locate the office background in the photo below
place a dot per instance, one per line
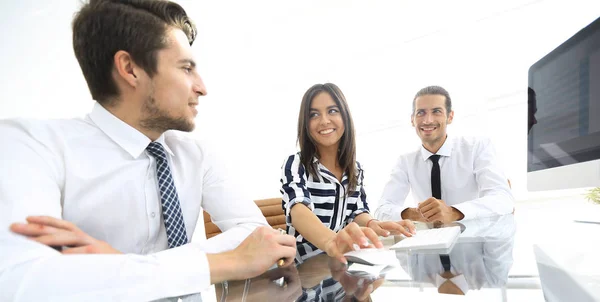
(258, 57)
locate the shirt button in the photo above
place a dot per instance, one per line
(152, 214)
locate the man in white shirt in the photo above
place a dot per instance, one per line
(125, 181)
(470, 183)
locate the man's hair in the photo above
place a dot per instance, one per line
(347, 147)
(432, 90)
(139, 27)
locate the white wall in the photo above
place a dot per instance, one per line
(258, 57)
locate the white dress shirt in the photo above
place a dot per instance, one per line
(95, 173)
(471, 179)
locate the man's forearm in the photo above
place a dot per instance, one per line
(223, 267)
(228, 240)
(32, 272)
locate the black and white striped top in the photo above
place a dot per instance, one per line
(324, 195)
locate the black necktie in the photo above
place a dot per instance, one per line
(436, 192)
(436, 183)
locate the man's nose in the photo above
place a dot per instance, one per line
(427, 119)
(199, 87)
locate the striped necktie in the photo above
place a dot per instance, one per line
(171, 209)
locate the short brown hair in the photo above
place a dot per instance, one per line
(347, 148)
(139, 27)
(434, 90)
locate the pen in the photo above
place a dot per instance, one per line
(281, 261)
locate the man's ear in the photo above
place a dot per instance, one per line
(125, 68)
(450, 117)
(412, 120)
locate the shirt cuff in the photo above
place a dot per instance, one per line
(467, 209)
(390, 213)
(186, 266)
(356, 213)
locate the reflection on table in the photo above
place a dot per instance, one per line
(319, 278)
(481, 257)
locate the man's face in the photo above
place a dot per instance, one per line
(174, 90)
(430, 118)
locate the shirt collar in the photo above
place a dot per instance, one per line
(127, 137)
(315, 160)
(445, 149)
(324, 171)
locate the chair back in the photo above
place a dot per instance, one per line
(270, 208)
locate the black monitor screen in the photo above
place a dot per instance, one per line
(564, 103)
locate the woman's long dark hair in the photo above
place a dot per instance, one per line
(347, 147)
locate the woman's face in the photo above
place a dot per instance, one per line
(325, 125)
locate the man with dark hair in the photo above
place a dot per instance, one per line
(451, 177)
(125, 180)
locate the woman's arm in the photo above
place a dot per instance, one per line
(335, 245)
(310, 226)
(298, 208)
(363, 218)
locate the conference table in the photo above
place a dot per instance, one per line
(482, 269)
(543, 257)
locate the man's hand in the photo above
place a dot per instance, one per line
(260, 250)
(56, 232)
(346, 238)
(413, 214)
(386, 228)
(436, 210)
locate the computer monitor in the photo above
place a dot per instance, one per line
(564, 115)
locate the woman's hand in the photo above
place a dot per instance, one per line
(386, 228)
(349, 236)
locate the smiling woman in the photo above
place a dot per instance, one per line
(322, 122)
(322, 185)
